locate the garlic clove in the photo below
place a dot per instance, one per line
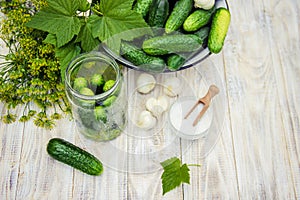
(145, 83)
(146, 121)
(208, 5)
(163, 102)
(172, 86)
(204, 4)
(157, 106)
(199, 3)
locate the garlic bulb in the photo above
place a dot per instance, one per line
(157, 106)
(204, 4)
(172, 86)
(145, 83)
(145, 120)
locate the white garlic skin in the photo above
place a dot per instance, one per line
(204, 4)
(172, 86)
(145, 83)
(157, 106)
(146, 121)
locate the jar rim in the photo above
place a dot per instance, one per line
(98, 56)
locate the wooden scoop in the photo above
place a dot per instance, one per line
(212, 91)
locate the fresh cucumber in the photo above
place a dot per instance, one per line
(203, 33)
(197, 19)
(74, 156)
(166, 44)
(142, 7)
(175, 61)
(158, 13)
(179, 13)
(139, 58)
(218, 31)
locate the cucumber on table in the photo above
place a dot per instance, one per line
(197, 19)
(179, 13)
(218, 31)
(166, 44)
(74, 156)
(139, 58)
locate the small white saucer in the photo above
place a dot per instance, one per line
(184, 127)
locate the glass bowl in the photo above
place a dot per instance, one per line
(192, 59)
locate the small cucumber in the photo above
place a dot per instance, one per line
(139, 58)
(158, 13)
(166, 44)
(197, 19)
(74, 156)
(218, 31)
(179, 13)
(142, 7)
(203, 33)
(175, 61)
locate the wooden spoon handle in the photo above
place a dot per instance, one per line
(204, 109)
(213, 91)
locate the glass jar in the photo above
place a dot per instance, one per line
(94, 87)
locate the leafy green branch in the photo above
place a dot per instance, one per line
(73, 34)
(30, 71)
(44, 40)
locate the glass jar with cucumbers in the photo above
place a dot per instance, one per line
(94, 87)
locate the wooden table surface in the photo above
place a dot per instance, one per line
(257, 153)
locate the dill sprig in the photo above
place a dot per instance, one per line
(30, 72)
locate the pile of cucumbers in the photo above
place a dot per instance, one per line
(179, 31)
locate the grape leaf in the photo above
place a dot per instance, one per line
(50, 39)
(117, 17)
(65, 54)
(58, 18)
(63, 7)
(85, 36)
(174, 174)
(108, 7)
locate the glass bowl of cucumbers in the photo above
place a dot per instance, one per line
(171, 42)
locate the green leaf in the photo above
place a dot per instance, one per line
(117, 18)
(58, 18)
(174, 174)
(108, 7)
(64, 27)
(64, 7)
(85, 36)
(65, 54)
(50, 39)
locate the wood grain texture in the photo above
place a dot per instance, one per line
(263, 164)
(10, 150)
(286, 61)
(216, 178)
(255, 156)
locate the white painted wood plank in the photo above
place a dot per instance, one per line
(10, 150)
(284, 39)
(263, 164)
